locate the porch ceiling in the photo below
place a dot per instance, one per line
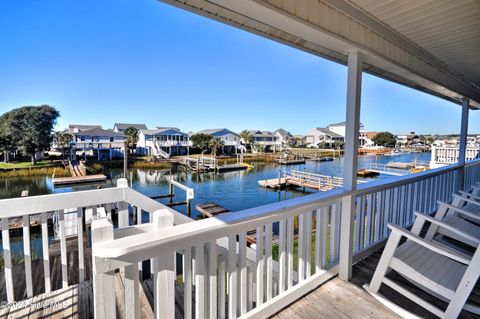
(429, 45)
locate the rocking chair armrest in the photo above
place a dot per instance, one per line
(439, 249)
(460, 211)
(470, 195)
(468, 200)
(448, 227)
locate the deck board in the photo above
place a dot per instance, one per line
(339, 299)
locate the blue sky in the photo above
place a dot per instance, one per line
(101, 62)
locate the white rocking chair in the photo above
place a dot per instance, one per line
(436, 268)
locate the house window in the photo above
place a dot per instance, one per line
(82, 138)
(111, 139)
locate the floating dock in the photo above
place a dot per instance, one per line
(231, 167)
(211, 210)
(367, 173)
(79, 179)
(303, 179)
(321, 159)
(283, 161)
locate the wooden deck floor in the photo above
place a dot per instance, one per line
(339, 299)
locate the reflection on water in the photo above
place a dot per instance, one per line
(235, 190)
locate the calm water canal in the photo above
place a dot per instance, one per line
(235, 190)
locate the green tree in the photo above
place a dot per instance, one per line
(131, 138)
(30, 128)
(386, 139)
(201, 141)
(63, 141)
(6, 141)
(215, 144)
(247, 137)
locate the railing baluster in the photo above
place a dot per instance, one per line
(301, 248)
(242, 256)
(45, 252)
(132, 301)
(199, 282)
(281, 255)
(308, 244)
(290, 235)
(250, 289)
(187, 283)
(63, 248)
(221, 287)
(370, 222)
(269, 261)
(260, 267)
(7, 259)
(123, 215)
(81, 263)
(232, 276)
(27, 255)
(212, 274)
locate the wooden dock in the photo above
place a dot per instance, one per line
(79, 179)
(211, 210)
(367, 173)
(283, 161)
(304, 180)
(320, 159)
(231, 167)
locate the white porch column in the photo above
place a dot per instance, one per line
(354, 90)
(463, 140)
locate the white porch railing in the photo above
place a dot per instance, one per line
(40, 210)
(224, 277)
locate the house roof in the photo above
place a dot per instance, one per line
(83, 127)
(217, 132)
(100, 132)
(328, 132)
(283, 133)
(124, 126)
(258, 133)
(167, 127)
(338, 124)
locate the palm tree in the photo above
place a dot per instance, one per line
(247, 137)
(215, 144)
(63, 141)
(131, 138)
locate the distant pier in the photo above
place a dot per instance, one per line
(303, 179)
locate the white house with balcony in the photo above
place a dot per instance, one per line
(97, 142)
(319, 135)
(265, 139)
(230, 139)
(283, 137)
(163, 142)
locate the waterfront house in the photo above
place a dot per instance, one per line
(264, 140)
(319, 135)
(283, 137)
(121, 127)
(230, 139)
(404, 140)
(327, 244)
(163, 142)
(96, 142)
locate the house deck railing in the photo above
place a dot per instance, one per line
(297, 246)
(222, 276)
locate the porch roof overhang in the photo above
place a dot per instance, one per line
(431, 46)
